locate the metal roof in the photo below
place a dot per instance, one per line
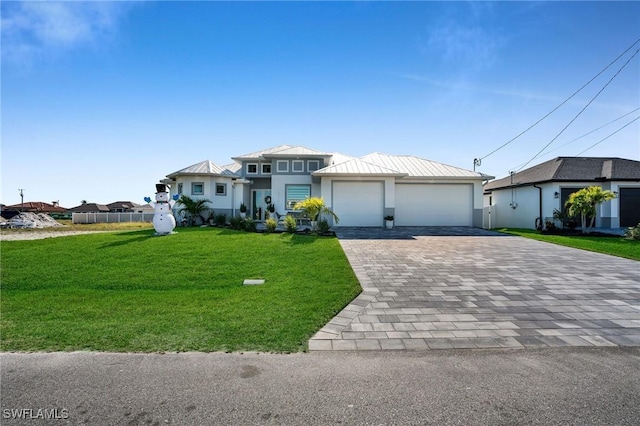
(297, 151)
(258, 155)
(419, 167)
(359, 167)
(205, 167)
(572, 169)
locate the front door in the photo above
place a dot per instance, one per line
(258, 203)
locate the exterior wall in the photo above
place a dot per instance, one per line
(220, 204)
(527, 205)
(515, 208)
(278, 187)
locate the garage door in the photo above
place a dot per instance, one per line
(434, 205)
(629, 206)
(359, 203)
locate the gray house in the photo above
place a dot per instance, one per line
(519, 200)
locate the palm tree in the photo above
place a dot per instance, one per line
(313, 208)
(193, 207)
(585, 203)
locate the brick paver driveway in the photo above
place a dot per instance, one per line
(432, 288)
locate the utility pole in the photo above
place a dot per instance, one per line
(21, 191)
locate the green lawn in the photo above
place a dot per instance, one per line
(615, 246)
(132, 291)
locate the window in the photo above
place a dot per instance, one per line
(282, 166)
(197, 188)
(313, 165)
(252, 169)
(266, 169)
(179, 189)
(295, 193)
(297, 166)
(221, 189)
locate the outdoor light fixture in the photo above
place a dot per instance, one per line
(556, 194)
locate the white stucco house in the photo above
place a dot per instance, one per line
(361, 191)
(529, 197)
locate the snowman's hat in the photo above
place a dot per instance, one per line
(161, 187)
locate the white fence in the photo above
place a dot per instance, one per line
(488, 217)
(111, 217)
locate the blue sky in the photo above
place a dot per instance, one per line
(101, 100)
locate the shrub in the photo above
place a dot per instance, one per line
(633, 232)
(220, 219)
(236, 223)
(323, 227)
(290, 224)
(270, 225)
(249, 225)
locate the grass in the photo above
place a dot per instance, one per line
(614, 245)
(131, 291)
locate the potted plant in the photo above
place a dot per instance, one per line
(243, 210)
(388, 221)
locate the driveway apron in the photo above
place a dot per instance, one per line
(443, 288)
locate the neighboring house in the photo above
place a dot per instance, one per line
(144, 208)
(361, 191)
(122, 207)
(37, 207)
(89, 208)
(520, 199)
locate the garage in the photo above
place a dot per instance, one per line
(359, 203)
(434, 205)
(629, 206)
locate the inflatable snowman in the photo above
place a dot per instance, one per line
(163, 220)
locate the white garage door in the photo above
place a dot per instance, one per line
(434, 205)
(359, 203)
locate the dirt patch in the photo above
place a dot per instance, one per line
(40, 234)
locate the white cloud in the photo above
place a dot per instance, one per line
(471, 46)
(33, 28)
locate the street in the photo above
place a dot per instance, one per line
(468, 387)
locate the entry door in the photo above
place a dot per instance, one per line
(629, 199)
(259, 205)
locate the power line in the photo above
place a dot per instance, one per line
(478, 160)
(586, 134)
(582, 110)
(593, 131)
(605, 138)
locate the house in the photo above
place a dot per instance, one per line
(519, 200)
(89, 208)
(38, 207)
(122, 206)
(361, 191)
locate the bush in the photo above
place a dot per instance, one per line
(220, 219)
(323, 227)
(270, 225)
(249, 225)
(633, 232)
(290, 224)
(236, 223)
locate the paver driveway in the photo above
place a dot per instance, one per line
(433, 288)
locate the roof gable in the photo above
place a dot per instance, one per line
(205, 167)
(296, 151)
(258, 155)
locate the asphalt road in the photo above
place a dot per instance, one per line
(550, 386)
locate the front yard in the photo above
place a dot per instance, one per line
(615, 246)
(131, 291)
